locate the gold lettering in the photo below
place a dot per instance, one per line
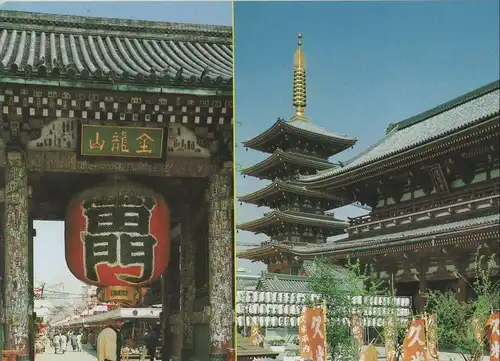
(124, 147)
(96, 144)
(144, 147)
(119, 293)
(115, 142)
(119, 144)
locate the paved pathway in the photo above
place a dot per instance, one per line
(49, 355)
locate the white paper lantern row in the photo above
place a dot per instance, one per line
(275, 297)
(290, 310)
(382, 301)
(270, 309)
(379, 322)
(380, 311)
(281, 322)
(267, 321)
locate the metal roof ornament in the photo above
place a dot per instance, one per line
(299, 81)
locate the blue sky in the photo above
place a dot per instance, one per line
(49, 261)
(368, 64)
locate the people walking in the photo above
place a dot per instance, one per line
(151, 341)
(63, 341)
(78, 342)
(56, 342)
(73, 341)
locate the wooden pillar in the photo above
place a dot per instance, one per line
(221, 262)
(422, 286)
(391, 268)
(33, 330)
(2, 255)
(188, 286)
(170, 295)
(165, 318)
(17, 288)
(462, 286)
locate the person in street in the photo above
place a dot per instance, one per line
(151, 341)
(63, 342)
(56, 342)
(73, 341)
(109, 344)
(78, 342)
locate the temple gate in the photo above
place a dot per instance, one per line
(86, 99)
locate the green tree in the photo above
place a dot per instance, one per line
(455, 319)
(338, 285)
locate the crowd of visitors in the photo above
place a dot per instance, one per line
(61, 340)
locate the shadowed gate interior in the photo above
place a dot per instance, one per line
(50, 194)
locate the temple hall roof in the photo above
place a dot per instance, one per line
(261, 169)
(275, 282)
(277, 217)
(343, 245)
(440, 121)
(74, 48)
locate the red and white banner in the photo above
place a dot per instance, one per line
(414, 348)
(305, 347)
(316, 332)
(493, 334)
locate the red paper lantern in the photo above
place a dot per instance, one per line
(117, 234)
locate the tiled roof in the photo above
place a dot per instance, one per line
(294, 158)
(277, 217)
(413, 235)
(274, 282)
(309, 126)
(416, 131)
(280, 186)
(304, 128)
(113, 50)
(243, 283)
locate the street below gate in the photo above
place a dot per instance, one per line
(49, 355)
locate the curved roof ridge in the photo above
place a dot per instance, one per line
(126, 25)
(310, 126)
(464, 98)
(474, 108)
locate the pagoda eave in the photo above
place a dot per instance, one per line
(280, 158)
(279, 187)
(277, 218)
(265, 141)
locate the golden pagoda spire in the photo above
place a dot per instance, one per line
(299, 81)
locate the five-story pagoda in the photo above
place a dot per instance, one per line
(297, 147)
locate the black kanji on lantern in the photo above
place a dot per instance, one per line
(118, 234)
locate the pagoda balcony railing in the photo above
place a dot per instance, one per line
(426, 210)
